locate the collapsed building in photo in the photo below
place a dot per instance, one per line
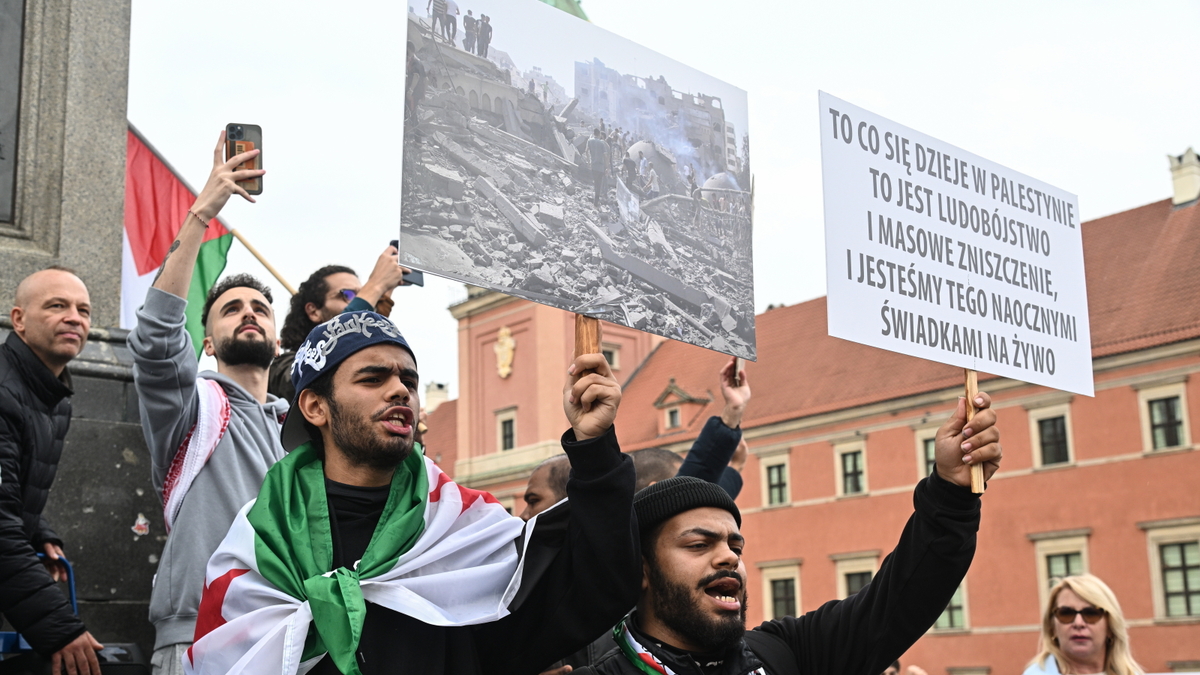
(500, 190)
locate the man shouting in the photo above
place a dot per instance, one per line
(690, 617)
(361, 556)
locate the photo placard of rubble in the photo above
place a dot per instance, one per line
(583, 172)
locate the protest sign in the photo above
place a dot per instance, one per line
(578, 170)
(938, 253)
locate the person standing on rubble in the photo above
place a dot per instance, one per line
(450, 21)
(414, 91)
(484, 37)
(598, 153)
(437, 13)
(469, 32)
(652, 187)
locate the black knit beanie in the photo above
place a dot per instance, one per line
(667, 498)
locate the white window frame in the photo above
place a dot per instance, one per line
(851, 563)
(501, 417)
(778, 570)
(1176, 531)
(966, 612)
(920, 436)
(615, 364)
(782, 456)
(1147, 394)
(1057, 543)
(1035, 437)
(678, 410)
(840, 449)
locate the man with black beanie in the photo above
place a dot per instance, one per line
(691, 612)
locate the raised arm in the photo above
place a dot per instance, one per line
(864, 633)
(583, 555)
(711, 456)
(175, 275)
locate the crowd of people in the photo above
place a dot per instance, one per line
(308, 531)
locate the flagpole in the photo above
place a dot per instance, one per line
(261, 259)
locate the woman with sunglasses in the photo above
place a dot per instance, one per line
(1083, 631)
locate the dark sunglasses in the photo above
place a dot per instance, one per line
(1090, 614)
(347, 294)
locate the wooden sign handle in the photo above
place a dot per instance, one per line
(587, 335)
(739, 367)
(972, 382)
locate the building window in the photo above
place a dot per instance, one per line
(1174, 551)
(851, 462)
(1166, 424)
(852, 472)
(929, 452)
(612, 354)
(506, 429)
(781, 587)
(1181, 578)
(856, 581)
(1057, 555)
(954, 617)
(926, 438)
(1059, 565)
(777, 484)
(854, 570)
(1164, 417)
(1050, 431)
(673, 421)
(1052, 434)
(783, 597)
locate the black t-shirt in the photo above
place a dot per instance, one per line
(354, 513)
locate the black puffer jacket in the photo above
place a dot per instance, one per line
(34, 415)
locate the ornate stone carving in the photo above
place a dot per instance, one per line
(504, 348)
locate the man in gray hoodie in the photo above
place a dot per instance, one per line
(212, 436)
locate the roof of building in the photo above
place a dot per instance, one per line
(1143, 275)
(441, 441)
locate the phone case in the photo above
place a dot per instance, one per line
(241, 138)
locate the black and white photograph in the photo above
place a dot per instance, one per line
(550, 159)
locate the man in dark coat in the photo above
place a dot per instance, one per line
(690, 617)
(51, 319)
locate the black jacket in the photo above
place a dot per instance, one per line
(583, 554)
(34, 415)
(865, 633)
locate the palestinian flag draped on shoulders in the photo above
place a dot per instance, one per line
(156, 202)
(443, 554)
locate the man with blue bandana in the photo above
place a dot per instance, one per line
(360, 556)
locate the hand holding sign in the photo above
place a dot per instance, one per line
(961, 444)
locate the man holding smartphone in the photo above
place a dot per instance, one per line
(329, 291)
(212, 435)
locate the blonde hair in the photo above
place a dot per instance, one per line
(1118, 660)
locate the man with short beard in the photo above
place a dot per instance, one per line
(360, 556)
(690, 618)
(211, 435)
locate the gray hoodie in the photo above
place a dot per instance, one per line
(165, 372)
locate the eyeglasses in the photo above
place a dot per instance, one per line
(1090, 614)
(347, 294)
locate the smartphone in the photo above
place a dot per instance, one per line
(413, 278)
(241, 138)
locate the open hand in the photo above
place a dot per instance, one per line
(959, 445)
(222, 181)
(591, 396)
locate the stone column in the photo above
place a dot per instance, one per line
(69, 192)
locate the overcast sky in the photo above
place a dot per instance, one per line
(1087, 96)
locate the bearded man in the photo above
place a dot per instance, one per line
(361, 557)
(690, 617)
(211, 435)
